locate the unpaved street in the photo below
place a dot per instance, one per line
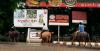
(39, 47)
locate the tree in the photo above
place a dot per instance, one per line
(7, 8)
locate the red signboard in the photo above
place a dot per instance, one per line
(43, 4)
(60, 3)
(79, 16)
(88, 5)
(51, 3)
(58, 19)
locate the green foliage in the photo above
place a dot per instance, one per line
(7, 8)
(3, 38)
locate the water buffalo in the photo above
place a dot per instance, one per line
(13, 35)
(80, 37)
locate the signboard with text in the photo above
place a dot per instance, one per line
(58, 20)
(30, 17)
(79, 16)
(64, 3)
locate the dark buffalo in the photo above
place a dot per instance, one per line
(81, 37)
(13, 35)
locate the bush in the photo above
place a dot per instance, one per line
(3, 38)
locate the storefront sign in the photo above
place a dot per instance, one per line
(88, 5)
(63, 3)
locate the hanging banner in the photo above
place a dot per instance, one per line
(79, 16)
(58, 20)
(30, 17)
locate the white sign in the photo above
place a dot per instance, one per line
(33, 35)
(62, 20)
(30, 17)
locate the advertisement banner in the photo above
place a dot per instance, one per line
(30, 17)
(79, 16)
(58, 20)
